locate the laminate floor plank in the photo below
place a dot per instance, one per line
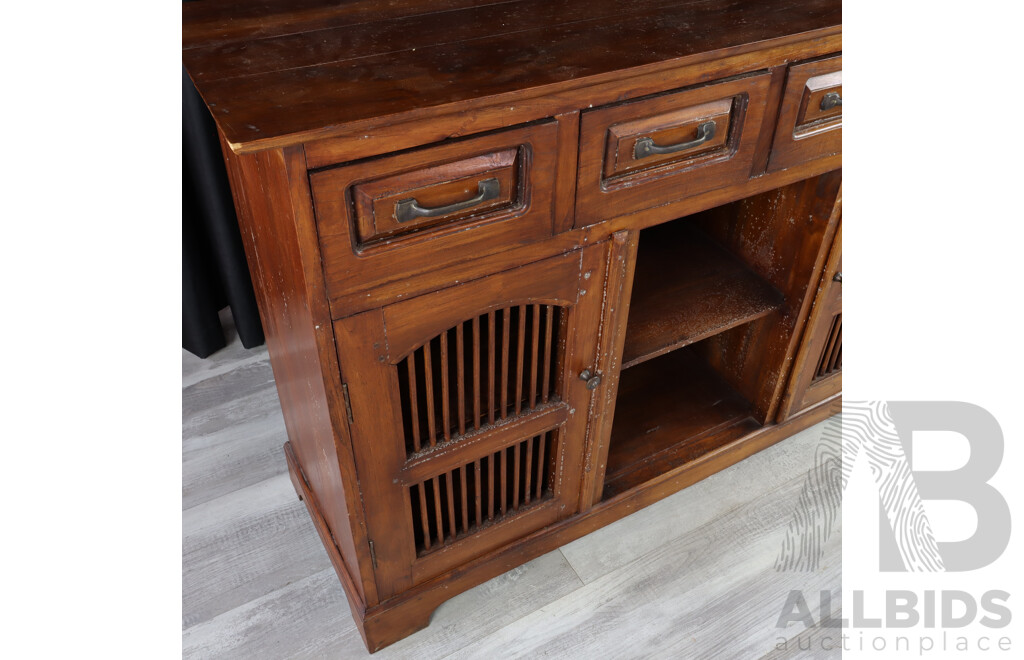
(819, 641)
(245, 545)
(211, 404)
(310, 618)
(235, 457)
(666, 521)
(657, 605)
(232, 426)
(741, 622)
(260, 404)
(195, 369)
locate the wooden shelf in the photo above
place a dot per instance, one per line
(687, 288)
(670, 411)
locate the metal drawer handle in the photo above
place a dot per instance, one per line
(409, 209)
(645, 146)
(831, 100)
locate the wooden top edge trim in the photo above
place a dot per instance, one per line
(337, 130)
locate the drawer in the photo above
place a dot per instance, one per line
(811, 117)
(657, 150)
(401, 216)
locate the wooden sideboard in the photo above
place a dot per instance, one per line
(526, 266)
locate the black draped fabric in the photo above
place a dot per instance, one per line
(214, 271)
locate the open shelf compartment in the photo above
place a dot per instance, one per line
(671, 410)
(687, 288)
(711, 328)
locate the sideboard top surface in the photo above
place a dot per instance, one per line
(281, 72)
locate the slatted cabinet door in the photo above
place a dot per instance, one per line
(818, 369)
(469, 412)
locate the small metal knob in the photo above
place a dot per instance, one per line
(592, 380)
(831, 100)
(838, 277)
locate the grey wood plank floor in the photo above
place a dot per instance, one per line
(692, 576)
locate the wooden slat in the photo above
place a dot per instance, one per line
(449, 487)
(460, 352)
(528, 475)
(824, 350)
(424, 516)
(491, 327)
(464, 498)
(439, 516)
(414, 413)
(546, 379)
(503, 467)
(835, 349)
(428, 380)
(520, 358)
(515, 475)
(476, 372)
(445, 394)
(540, 466)
(490, 487)
(477, 495)
(506, 338)
(536, 364)
(829, 346)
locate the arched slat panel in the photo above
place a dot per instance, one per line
(502, 362)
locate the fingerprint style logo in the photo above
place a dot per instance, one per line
(864, 427)
(819, 507)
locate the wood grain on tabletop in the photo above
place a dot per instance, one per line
(289, 71)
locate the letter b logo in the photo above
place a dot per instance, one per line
(967, 484)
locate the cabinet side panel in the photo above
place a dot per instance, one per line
(275, 214)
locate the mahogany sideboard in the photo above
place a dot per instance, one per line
(526, 266)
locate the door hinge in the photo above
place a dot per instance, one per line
(373, 555)
(348, 402)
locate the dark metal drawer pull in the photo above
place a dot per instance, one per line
(409, 209)
(645, 146)
(831, 100)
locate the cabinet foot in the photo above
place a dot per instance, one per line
(385, 626)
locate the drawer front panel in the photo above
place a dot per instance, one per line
(394, 218)
(658, 150)
(811, 119)
(414, 201)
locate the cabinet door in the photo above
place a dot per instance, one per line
(468, 412)
(818, 369)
